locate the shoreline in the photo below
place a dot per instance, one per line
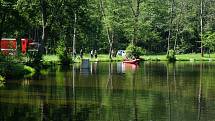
(105, 58)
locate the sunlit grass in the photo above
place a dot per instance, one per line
(100, 58)
(182, 57)
(105, 58)
(51, 58)
(154, 57)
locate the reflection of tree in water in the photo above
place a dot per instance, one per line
(162, 103)
(16, 112)
(109, 84)
(200, 93)
(172, 96)
(69, 110)
(133, 81)
(169, 95)
(64, 113)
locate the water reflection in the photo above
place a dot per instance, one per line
(113, 92)
(123, 67)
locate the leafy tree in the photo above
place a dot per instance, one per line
(209, 41)
(106, 25)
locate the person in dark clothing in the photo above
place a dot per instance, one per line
(91, 53)
(81, 53)
(95, 53)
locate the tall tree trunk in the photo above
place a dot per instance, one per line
(74, 35)
(176, 36)
(178, 29)
(43, 15)
(111, 46)
(201, 28)
(108, 30)
(170, 26)
(136, 20)
(136, 14)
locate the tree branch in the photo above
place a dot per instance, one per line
(133, 11)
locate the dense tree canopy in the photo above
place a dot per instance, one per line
(105, 25)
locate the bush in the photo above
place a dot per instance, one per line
(65, 59)
(60, 48)
(29, 71)
(1, 78)
(2, 57)
(50, 60)
(62, 53)
(2, 82)
(10, 67)
(135, 51)
(171, 56)
(15, 70)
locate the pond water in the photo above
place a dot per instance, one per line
(152, 91)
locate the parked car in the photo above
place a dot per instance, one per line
(121, 52)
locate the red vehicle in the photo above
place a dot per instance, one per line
(8, 46)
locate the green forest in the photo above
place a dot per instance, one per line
(185, 26)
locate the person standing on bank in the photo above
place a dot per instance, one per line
(95, 53)
(91, 53)
(81, 53)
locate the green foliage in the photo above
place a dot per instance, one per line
(61, 48)
(29, 71)
(61, 51)
(2, 58)
(209, 40)
(2, 78)
(133, 50)
(171, 56)
(11, 67)
(2, 81)
(65, 59)
(147, 23)
(11, 70)
(50, 59)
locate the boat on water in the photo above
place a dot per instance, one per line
(135, 61)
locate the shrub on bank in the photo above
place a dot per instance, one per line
(1, 78)
(61, 51)
(135, 51)
(10, 67)
(29, 71)
(2, 82)
(15, 70)
(171, 56)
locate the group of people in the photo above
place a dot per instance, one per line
(93, 53)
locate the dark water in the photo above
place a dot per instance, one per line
(113, 92)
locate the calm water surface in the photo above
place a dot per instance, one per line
(113, 92)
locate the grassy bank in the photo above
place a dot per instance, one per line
(101, 58)
(105, 58)
(182, 57)
(48, 59)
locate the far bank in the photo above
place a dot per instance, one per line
(105, 58)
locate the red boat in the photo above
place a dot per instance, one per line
(135, 61)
